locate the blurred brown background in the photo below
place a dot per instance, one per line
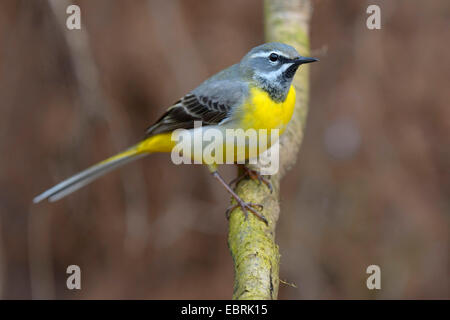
(371, 185)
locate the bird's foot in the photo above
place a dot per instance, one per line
(247, 206)
(254, 175)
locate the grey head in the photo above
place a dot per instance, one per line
(272, 67)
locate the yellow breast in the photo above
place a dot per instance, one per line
(261, 112)
(258, 112)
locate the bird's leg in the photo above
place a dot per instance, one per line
(245, 206)
(252, 174)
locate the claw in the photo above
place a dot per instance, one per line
(265, 181)
(254, 175)
(245, 206)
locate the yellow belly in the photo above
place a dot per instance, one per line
(261, 112)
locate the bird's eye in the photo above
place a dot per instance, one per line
(273, 57)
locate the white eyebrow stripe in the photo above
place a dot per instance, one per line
(266, 54)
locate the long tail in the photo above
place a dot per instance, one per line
(85, 177)
(158, 143)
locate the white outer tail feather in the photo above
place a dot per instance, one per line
(85, 177)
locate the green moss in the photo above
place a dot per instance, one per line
(251, 243)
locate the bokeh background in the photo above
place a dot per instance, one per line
(371, 185)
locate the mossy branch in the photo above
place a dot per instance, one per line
(252, 242)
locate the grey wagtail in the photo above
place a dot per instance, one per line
(255, 93)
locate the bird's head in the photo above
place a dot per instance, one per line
(272, 66)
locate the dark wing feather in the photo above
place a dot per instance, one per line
(187, 110)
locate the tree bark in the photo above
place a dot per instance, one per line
(252, 242)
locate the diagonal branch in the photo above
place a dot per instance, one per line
(251, 242)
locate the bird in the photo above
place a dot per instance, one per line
(255, 93)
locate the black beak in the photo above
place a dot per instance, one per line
(302, 60)
(295, 63)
